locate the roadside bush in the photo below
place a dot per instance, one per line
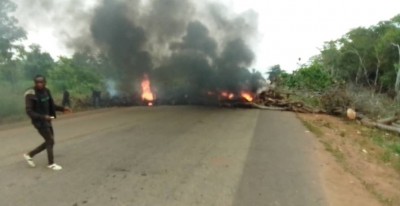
(336, 98)
(310, 78)
(371, 103)
(12, 102)
(78, 81)
(11, 107)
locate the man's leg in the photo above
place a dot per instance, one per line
(37, 150)
(48, 136)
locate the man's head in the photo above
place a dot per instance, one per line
(40, 82)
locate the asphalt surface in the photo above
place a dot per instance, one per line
(169, 156)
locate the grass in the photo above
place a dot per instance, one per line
(375, 106)
(370, 188)
(390, 143)
(339, 156)
(315, 130)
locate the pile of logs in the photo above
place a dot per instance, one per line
(390, 124)
(272, 100)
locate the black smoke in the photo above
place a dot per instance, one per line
(122, 41)
(188, 48)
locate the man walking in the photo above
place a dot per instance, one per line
(41, 108)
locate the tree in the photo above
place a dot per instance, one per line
(360, 43)
(330, 57)
(9, 31)
(78, 80)
(37, 62)
(397, 66)
(365, 56)
(311, 77)
(274, 73)
(388, 47)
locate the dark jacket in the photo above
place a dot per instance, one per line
(34, 108)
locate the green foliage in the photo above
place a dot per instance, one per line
(78, 80)
(275, 72)
(365, 56)
(9, 31)
(37, 62)
(311, 78)
(389, 142)
(12, 102)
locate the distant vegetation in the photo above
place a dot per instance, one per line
(18, 65)
(364, 64)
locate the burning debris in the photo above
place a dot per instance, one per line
(247, 96)
(186, 47)
(240, 99)
(147, 95)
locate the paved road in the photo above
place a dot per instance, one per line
(169, 156)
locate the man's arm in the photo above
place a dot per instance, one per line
(62, 109)
(58, 108)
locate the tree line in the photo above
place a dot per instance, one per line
(18, 66)
(365, 56)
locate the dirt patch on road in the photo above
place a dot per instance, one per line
(353, 168)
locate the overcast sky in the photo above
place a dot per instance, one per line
(289, 29)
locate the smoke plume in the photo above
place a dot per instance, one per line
(187, 47)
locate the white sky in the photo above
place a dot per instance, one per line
(289, 29)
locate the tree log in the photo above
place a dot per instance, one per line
(367, 122)
(388, 121)
(269, 108)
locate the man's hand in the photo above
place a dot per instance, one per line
(67, 110)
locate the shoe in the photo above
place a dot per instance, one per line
(29, 160)
(55, 167)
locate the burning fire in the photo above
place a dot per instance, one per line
(247, 96)
(147, 94)
(228, 95)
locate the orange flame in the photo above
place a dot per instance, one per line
(247, 96)
(147, 94)
(228, 95)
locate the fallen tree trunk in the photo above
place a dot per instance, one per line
(395, 124)
(272, 100)
(388, 121)
(369, 123)
(257, 106)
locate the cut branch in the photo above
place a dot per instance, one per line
(388, 121)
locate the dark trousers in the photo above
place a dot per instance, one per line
(48, 135)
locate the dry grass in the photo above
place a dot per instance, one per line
(373, 104)
(369, 155)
